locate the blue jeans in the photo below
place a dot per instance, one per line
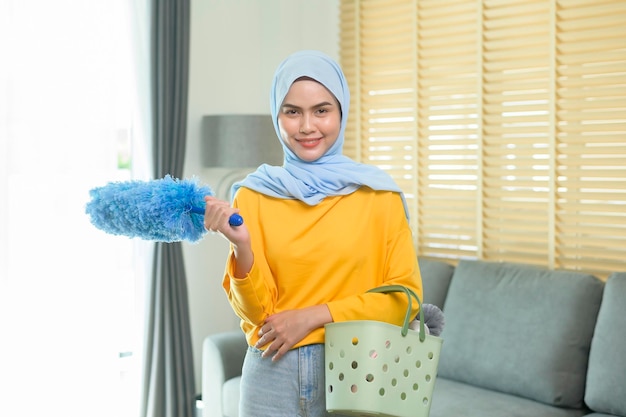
(293, 386)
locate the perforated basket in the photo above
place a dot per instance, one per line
(378, 369)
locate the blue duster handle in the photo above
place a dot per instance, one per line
(234, 220)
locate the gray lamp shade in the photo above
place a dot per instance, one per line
(239, 141)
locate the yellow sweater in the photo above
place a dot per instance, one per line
(331, 253)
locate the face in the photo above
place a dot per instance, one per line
(309, 119)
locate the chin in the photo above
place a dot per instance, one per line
(309, 157)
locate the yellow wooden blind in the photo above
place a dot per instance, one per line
(518, 130)
(504, 121)
(448, 164)
(590, 144)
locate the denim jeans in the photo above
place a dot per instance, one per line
(293, 386)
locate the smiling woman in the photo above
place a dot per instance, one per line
(67, 292)
(309, 119)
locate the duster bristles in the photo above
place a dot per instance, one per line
(158, 210)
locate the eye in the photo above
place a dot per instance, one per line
(289, 111)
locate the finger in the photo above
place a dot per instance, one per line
(265, 353)
(216, 222)
(279, 353)
(265, 339)
(276, 350)
(264, 330)
(209, 219)
(269, 351)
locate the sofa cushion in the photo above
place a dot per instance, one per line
(230, 398)
(600, 415)
(520, 329)
(436, 276)
(456, 399)
(606, 376)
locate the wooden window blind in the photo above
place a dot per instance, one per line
(503, 121)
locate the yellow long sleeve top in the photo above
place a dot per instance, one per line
(330, 253)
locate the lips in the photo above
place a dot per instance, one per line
(309, 143)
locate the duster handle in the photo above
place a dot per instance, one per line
(234, 220)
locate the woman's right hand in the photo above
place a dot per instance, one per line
(216, 219)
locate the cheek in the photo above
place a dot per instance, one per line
(285, 125)
(281, 128)
(332, 125)
(285, 131)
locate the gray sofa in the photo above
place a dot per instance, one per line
(519, 341)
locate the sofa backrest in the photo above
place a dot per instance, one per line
(436, 276)
(606, 376)
(520, 329)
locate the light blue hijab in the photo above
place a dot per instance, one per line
(332, 174)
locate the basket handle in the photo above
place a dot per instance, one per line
(407, 318)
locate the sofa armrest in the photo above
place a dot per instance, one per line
(222, 359)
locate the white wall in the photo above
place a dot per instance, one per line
(235, 48)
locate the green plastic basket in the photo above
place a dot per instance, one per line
(378, 369)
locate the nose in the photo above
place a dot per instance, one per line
(306, 124)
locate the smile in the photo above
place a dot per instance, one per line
(308, 142)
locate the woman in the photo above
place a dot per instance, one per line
(319, 232)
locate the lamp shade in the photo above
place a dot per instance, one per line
(239, 141)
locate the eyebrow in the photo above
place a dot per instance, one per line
(293, 106)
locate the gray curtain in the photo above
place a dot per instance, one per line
(169, 382)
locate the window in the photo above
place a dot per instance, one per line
(68, 294)
(503, 121)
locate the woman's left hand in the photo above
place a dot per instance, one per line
(281, 331)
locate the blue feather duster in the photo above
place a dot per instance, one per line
(164, 210)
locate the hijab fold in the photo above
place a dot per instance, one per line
(332, 174)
